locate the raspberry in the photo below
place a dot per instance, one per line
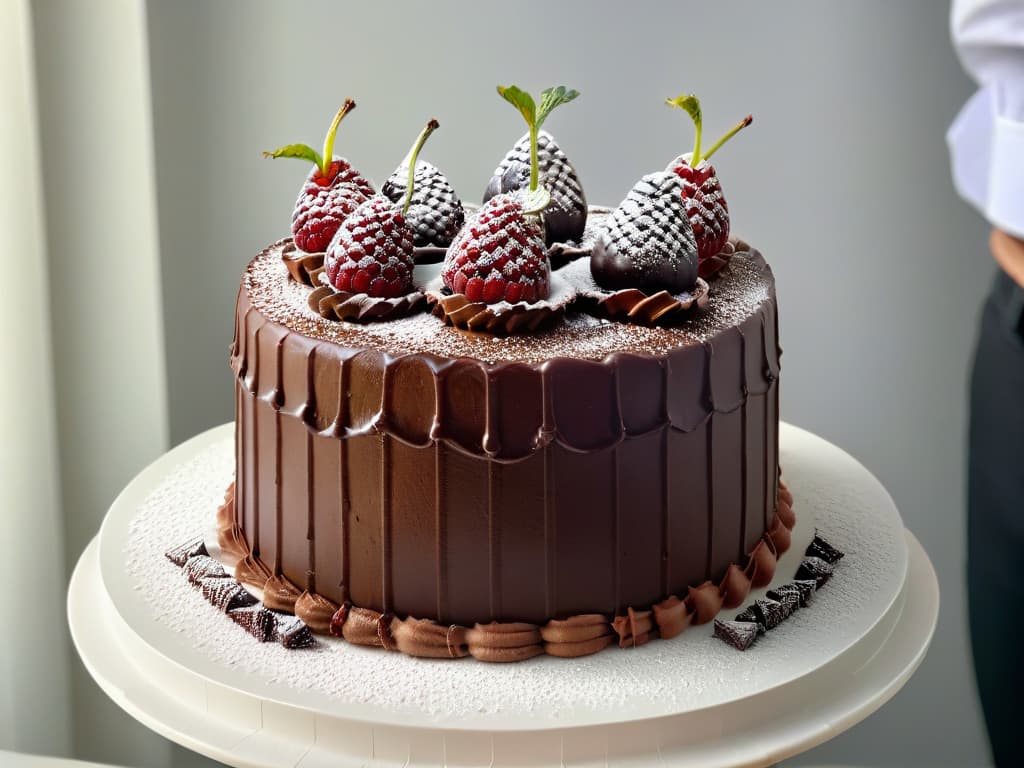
(324, 202)
(498, 256)
(371, 252)
(705, 205)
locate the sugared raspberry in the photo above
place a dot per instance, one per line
(324, 202)
(499, 255)
(705, 205)
(371, 252)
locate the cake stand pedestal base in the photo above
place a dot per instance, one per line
(841, 661)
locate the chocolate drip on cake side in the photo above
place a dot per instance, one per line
(465, 491)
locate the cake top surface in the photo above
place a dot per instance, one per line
(738, 292)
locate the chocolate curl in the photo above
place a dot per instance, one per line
(635, 628)
(252, 571)
(184, 552)
(428, 639)
(704, 601)
(672, 617)
(735, 586)
(316, 611)
(503, 642)
(579, 635)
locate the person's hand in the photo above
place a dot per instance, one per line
(1008, 252)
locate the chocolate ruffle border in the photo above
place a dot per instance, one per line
(575, 636)
(458, 311)
(631, 305)
(361, 308)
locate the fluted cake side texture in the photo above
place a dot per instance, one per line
(414, 470)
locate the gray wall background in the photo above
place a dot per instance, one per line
(842, 181)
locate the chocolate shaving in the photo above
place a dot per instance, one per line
(751, 616)
(361, 308)
(203, 567)
(816, 569)
(226, 594)
(822, 549)
(739, 634)
(183, 552)
(788, 594)
(769, 612)
(256, 620)
(292, 632)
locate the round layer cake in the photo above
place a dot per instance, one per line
(409, 471)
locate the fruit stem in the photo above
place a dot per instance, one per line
(432, 126)
(729, 134)
(691, 105)
(534, 163)
(328, 156)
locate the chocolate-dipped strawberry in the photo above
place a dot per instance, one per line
(647, 242)
(435, 213)
(705, 204)
(371, 252)
(332, 190)
(566, 215)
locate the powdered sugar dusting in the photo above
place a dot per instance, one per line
(739, 290)
(692, 670)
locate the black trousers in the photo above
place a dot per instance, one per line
(995, 517)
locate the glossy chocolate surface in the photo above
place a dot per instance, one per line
(413, 469)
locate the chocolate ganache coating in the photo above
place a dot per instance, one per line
(418, 471)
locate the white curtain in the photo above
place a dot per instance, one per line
(82, 384)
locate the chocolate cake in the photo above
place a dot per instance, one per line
(407, 482)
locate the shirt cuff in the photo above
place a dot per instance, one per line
(987, 157)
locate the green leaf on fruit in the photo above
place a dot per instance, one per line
(536, 200)
(689, 104)
(303, 151)
(551, 98)
(521, 100)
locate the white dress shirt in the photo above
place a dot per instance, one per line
(986, 140)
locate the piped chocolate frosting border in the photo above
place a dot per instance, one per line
(571, 637)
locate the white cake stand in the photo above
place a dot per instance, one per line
(184, 670)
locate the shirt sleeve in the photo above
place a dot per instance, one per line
(986, 140)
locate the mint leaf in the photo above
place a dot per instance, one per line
(302, 151)
(551, 98)
(521, 100)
